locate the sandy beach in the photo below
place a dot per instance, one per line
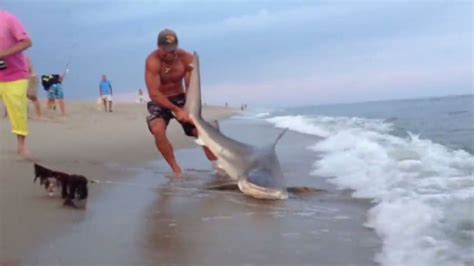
(140, 216)
(88, 141)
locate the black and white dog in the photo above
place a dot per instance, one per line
(74, 187)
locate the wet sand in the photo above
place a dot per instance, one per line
(142, 217)
(89, 142)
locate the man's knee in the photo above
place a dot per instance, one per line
(157, 128)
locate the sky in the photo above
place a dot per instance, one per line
(262, 53)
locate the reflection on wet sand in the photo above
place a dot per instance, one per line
(149, 219)
(195, 226)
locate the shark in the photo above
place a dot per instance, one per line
(255, 169)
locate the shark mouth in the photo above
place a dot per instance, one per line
(260, 192)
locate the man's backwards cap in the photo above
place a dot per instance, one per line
(168, 39)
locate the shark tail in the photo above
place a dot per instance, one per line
(193, 92)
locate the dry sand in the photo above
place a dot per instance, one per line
(87, 141)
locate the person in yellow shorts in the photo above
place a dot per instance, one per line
(14, 75)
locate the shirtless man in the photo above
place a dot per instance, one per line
(166, 69)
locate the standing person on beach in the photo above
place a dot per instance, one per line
(53, 85)
(140, 96)
(105, 91)
(165, 71)
(14, 76)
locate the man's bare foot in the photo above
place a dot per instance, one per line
(25, 154)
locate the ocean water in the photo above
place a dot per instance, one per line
(413, 159)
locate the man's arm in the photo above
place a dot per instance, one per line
(30, 65)
(110, 85)
(153, 84)
(19, 47)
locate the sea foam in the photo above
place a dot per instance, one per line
(423, 192)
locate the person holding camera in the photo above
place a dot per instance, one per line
(14, 75)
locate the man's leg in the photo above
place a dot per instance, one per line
(21, 148)
(110, 105)
(60, 97)
(158, 129)
(16, 102)
(37, 107)
(50, 103)
(62, 107)
(209, 155)
(104, 101)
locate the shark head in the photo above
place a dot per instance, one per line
(265, 179)
(255, 169)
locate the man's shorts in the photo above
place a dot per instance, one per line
(155, 111)
(13, 95)
(55, 92)
(106, 97)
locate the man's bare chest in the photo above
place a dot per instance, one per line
(172, 72)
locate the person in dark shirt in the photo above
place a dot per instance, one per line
(53, 85)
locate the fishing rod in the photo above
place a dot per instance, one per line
(68, 62)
